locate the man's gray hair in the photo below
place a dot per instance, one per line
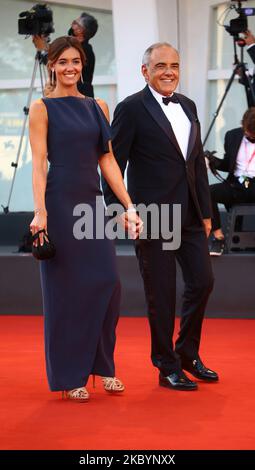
(157, 45)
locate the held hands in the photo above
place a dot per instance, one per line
(39, 222)
(131, 222)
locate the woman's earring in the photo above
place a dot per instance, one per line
(52, 77)
(81, 78)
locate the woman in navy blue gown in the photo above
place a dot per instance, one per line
(80, 285)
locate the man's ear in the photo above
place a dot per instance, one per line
(145, 72)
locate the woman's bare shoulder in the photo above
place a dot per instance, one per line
(104, 106)
(37, 108)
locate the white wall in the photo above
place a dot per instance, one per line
(167, 16)
(194, 22)
(98, 4)
(135, 27)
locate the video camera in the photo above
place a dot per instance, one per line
(37, 21)
(239, 24)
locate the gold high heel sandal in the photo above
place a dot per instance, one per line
(113, 385)
(77, 394)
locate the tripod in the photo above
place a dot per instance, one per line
(240, 68)
(38, 63)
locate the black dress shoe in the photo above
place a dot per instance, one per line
(199, 370)
(177, 380)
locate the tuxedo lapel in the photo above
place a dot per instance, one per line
(192, 138)
(234, 148)
(194, 124)
(238, 140)
(159, 117)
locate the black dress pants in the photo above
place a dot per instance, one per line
(158, 270)
(229, 193)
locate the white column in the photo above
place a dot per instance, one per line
(167, 11)
(135, 28)
(194, 48)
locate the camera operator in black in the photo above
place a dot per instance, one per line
(250, 43)
(239, 187)
(83, 28)
(249, 40)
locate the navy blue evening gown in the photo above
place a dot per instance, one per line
(80, 285)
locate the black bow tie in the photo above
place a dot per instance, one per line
(170, 99)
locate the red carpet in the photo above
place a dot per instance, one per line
(217, 416)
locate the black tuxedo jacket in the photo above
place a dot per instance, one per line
(157, 171)
(232, 143)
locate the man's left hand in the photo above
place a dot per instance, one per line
(207, 226)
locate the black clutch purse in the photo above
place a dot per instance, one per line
(45, 251)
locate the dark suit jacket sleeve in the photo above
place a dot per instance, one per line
(202, 185)
(251, 52)
(223, 164)
(123, 131)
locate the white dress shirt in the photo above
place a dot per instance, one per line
(245, 161)
(178, 119)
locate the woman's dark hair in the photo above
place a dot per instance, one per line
(56, 48)
(248, 121)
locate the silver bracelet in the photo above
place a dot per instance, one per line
(131, 209)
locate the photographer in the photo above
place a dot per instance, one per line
(83, 29)
(239, 162)
(249, 40)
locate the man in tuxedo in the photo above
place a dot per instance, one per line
(239, 187)
(157, 132)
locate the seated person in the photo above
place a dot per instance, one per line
(239, 186)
